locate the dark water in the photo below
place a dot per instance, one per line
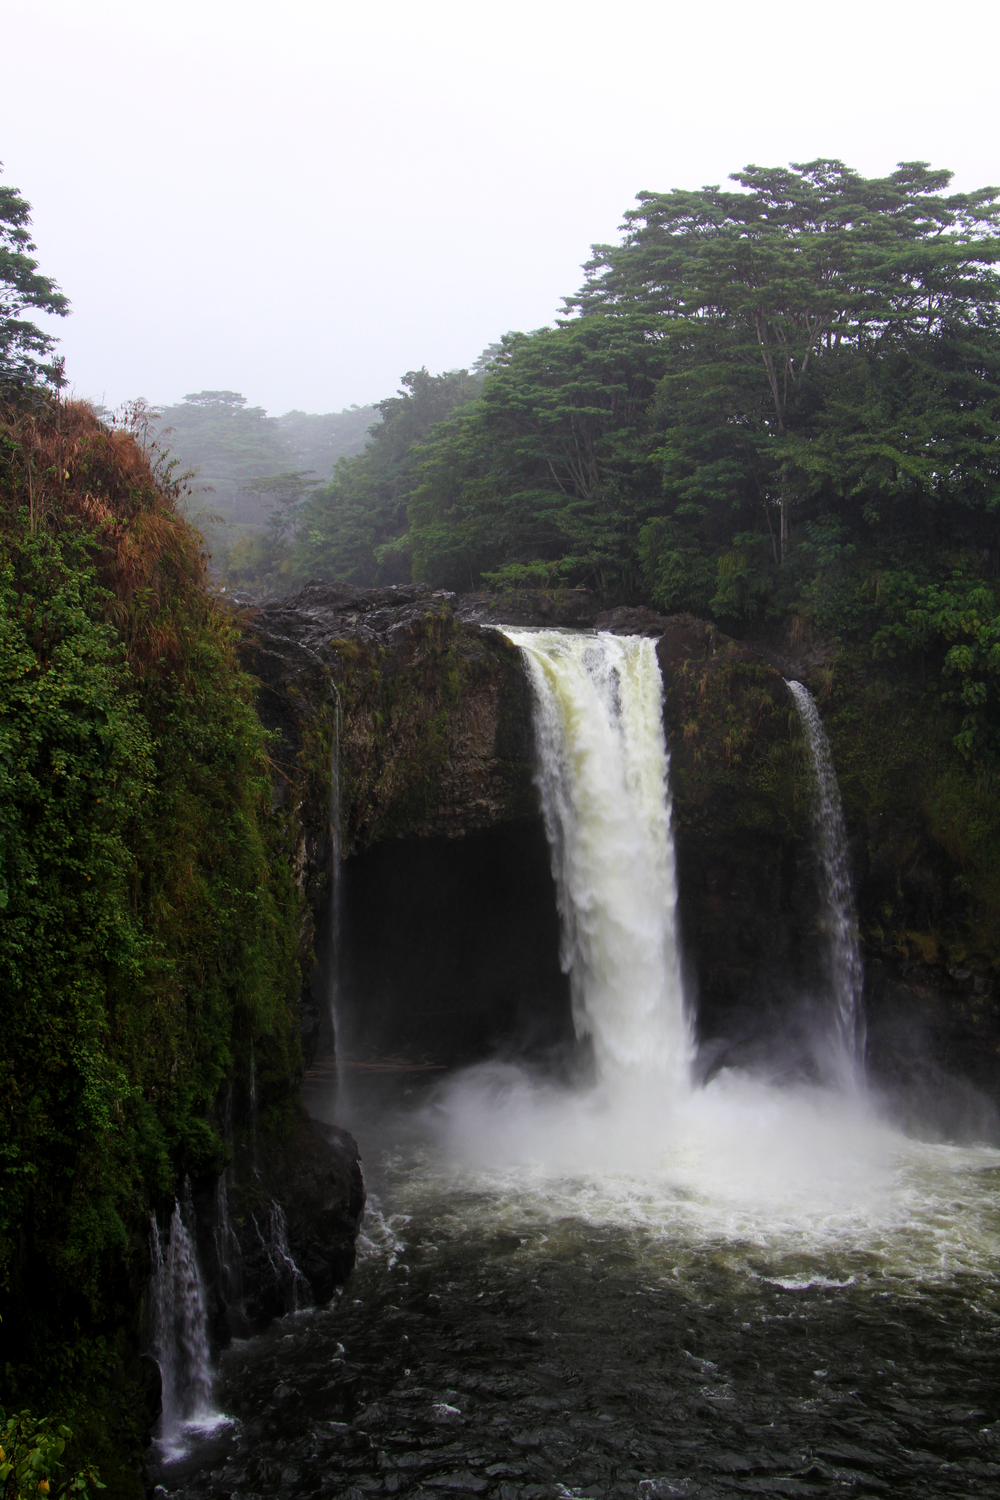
(489, 1346)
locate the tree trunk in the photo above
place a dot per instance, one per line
(784, 528)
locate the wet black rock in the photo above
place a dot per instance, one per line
(152, 1392)
(573, 609)
(322, 1186)
(749, 900)
(279, 1233)
(430, 716)
(435, 712)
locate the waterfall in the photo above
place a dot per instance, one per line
(293, 1285)
(602, 775)
(282, 1259)
(179, 1326)
(229, 1258)
(334, 979)
(839, 916)
(253, 1112)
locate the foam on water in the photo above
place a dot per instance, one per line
(775, 1173)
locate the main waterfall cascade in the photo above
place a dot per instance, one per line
(603, 782)
(847, 1040)
(333, 985)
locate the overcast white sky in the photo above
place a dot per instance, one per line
(303, 200)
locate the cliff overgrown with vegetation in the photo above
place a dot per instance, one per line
(149, 918)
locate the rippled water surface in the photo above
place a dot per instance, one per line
(703, 1316)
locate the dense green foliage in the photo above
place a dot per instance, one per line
(23, 345)
(32, 1460)
(149, 919)
(355, 528)
(749, 373)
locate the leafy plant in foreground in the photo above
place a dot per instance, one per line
(31, 1460)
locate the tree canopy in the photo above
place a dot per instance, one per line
(356, 527)
(786, 311)
(23, 345)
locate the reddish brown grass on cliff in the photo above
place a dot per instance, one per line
(68, 470)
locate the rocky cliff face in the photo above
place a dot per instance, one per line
(434, 712)
(748, 892)
(436, 742)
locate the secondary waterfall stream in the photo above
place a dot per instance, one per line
(627, 1285)
(333, 986)
(847, 1033)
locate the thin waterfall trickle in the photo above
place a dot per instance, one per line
(603, 782)
(179, 1325)
(283, 1261)
(333, 984)
(229, 1258)
(840, 917)
(295, 1290)
(253, 1112)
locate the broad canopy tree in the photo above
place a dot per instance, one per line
(779, 306)
(806, 344)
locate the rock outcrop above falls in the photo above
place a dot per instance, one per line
(740, 789)
(427, 717)
(435, 714)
